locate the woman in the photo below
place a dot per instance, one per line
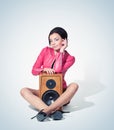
(52, 59)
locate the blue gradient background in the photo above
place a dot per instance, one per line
(24, 27)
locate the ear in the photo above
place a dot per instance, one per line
(63, 39)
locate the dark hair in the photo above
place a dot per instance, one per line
(62, 32)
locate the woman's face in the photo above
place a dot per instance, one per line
(55, 41)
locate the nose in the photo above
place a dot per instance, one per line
(53, 43)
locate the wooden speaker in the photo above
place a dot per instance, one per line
(50, 86)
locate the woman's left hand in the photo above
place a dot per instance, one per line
(64, 45)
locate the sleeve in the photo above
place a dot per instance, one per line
(63, 62)
(37, 67)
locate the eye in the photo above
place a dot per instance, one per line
(56, 39)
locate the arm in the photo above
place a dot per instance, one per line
(63, 62)
(37, 67)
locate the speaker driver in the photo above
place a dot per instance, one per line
(50, 96)
(50, 83)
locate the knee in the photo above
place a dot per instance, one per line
(23, 91)
(75, 86)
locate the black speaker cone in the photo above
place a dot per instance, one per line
(50, 96)
(50, 83)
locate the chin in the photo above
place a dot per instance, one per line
(57, 50)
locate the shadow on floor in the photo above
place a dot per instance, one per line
(86, 89)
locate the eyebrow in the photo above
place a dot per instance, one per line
(55, 38)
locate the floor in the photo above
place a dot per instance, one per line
(90, 108)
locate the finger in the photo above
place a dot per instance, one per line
(47, 71)
(52, 71)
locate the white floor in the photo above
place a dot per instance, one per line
(90, 109)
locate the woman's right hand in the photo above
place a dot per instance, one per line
(49, 70)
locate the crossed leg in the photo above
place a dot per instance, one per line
(31, 95)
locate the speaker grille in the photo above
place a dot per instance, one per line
(50, 96)
(51, 84)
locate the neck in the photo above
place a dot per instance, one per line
(56, 51)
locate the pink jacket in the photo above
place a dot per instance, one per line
(46, 59)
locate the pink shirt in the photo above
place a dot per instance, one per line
(63, 61)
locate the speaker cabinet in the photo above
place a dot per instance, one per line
(50, 86)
